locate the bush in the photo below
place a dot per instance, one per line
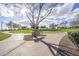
(74, 36)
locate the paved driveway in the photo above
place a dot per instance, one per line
(16, 46)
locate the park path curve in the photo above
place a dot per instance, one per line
(16, 46)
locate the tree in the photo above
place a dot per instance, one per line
(2, 25)
(15, 26)
(43, 27)
(24, 27)
(53, 26)
(63, 23)
(12, 26)
(9, 24)
(36, 13)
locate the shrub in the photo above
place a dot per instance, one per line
(74, 36)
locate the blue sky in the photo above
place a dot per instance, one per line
(63, 13)
(76, 6)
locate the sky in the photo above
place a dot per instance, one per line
(60, 14)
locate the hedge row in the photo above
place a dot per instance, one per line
(74, 36)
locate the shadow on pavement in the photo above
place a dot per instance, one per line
(52, 47)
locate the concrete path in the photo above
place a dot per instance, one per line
(16, 46)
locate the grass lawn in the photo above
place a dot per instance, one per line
(45, 32)
(4, 36)
(51, 32)
(68, 29)
(61, 30)
(21, 31)
(30, 31)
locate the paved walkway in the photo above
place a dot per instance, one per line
(16, 46)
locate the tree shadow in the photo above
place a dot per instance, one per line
(55, 47)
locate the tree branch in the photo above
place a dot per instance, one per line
(47, 14)
(39, 13)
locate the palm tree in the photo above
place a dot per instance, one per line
(1, 25)
(15, 26)
(10, 25)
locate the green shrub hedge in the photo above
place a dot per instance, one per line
(74, 36)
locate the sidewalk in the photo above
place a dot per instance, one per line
(16, 46)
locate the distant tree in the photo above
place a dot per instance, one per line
(43, 27)
(10, 25)
(15, 26)
(2, 25)
(53, 26)
(63, 24)
(24, 27)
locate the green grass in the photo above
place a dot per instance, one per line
(60, 30)
(51, 32)
(21, 31)
(46, 32)
(4, 36)
(68, 29)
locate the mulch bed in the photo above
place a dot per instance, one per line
(28, 38)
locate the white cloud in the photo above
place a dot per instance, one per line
(47, 22)
(62, 11)
(65, 9)
(76, 10)
(5, 11)
(74, 13)
(23, 22)
(43, 12)
(24, 11)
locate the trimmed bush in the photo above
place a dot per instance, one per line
(74, 36)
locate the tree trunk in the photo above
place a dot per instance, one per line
(36, 31)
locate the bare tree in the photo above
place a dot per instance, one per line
(38, 12)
